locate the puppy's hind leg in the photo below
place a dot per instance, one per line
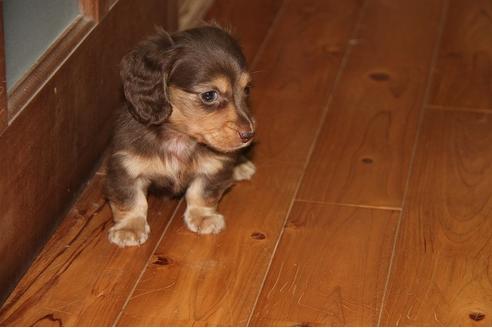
(201, 211)
(129, 205)
(244, 171)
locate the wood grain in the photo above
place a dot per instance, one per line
(94, 9)
(463, 76)
(332, 261)
(80, 278)
(3, 81)
(330, 267)
(192, 12)
(172, 20)
(295, 79)
(55, 142)
(365, 146)
(441, 274)
(247, 20)
(215, 280)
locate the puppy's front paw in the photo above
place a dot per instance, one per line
(244, 171)
(204, 220)
(132, 232)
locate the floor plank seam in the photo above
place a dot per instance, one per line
(258, 55)
(370, 207)
(137, 281)
(459, 109)
(343, 64)
(425, 100)
(264, 43)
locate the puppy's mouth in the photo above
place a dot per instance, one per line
(226, 145)
(225, 149)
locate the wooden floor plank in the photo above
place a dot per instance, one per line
(363, 152)
(80, 278)
(215, 280)
(441, 273)
(294, 78)
(332, 257)
(463, 77)
(330, 267)
(246, 20)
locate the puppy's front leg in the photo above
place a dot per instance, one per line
(129, 204)
(201, 211)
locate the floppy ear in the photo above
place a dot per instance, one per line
(144, 73)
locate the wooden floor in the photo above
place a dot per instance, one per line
(372, 204)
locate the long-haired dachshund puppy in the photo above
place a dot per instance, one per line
(183, 128)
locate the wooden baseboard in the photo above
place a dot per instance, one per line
(62, 127)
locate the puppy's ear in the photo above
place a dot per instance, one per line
(144, 73)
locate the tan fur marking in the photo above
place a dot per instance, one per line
(218, 129)
(131, 228)
(222, 84)
(201, 215)
(209, 165)
(244, 171)
(244, 79)
(131, 232)
(194, 193)
(204, 220)
(181, 100)
(137, 166)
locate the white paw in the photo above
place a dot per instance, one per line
(204, 220)
(129, 233)
(244, 171)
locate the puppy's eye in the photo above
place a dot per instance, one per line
(209, 96)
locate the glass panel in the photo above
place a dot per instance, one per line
(30, 28)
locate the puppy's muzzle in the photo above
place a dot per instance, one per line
(246, 135)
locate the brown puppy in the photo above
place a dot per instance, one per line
(185, 122)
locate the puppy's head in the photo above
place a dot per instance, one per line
(196, 81)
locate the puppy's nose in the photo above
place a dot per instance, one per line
(246, 135)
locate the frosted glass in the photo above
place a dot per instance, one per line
(30, 27)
